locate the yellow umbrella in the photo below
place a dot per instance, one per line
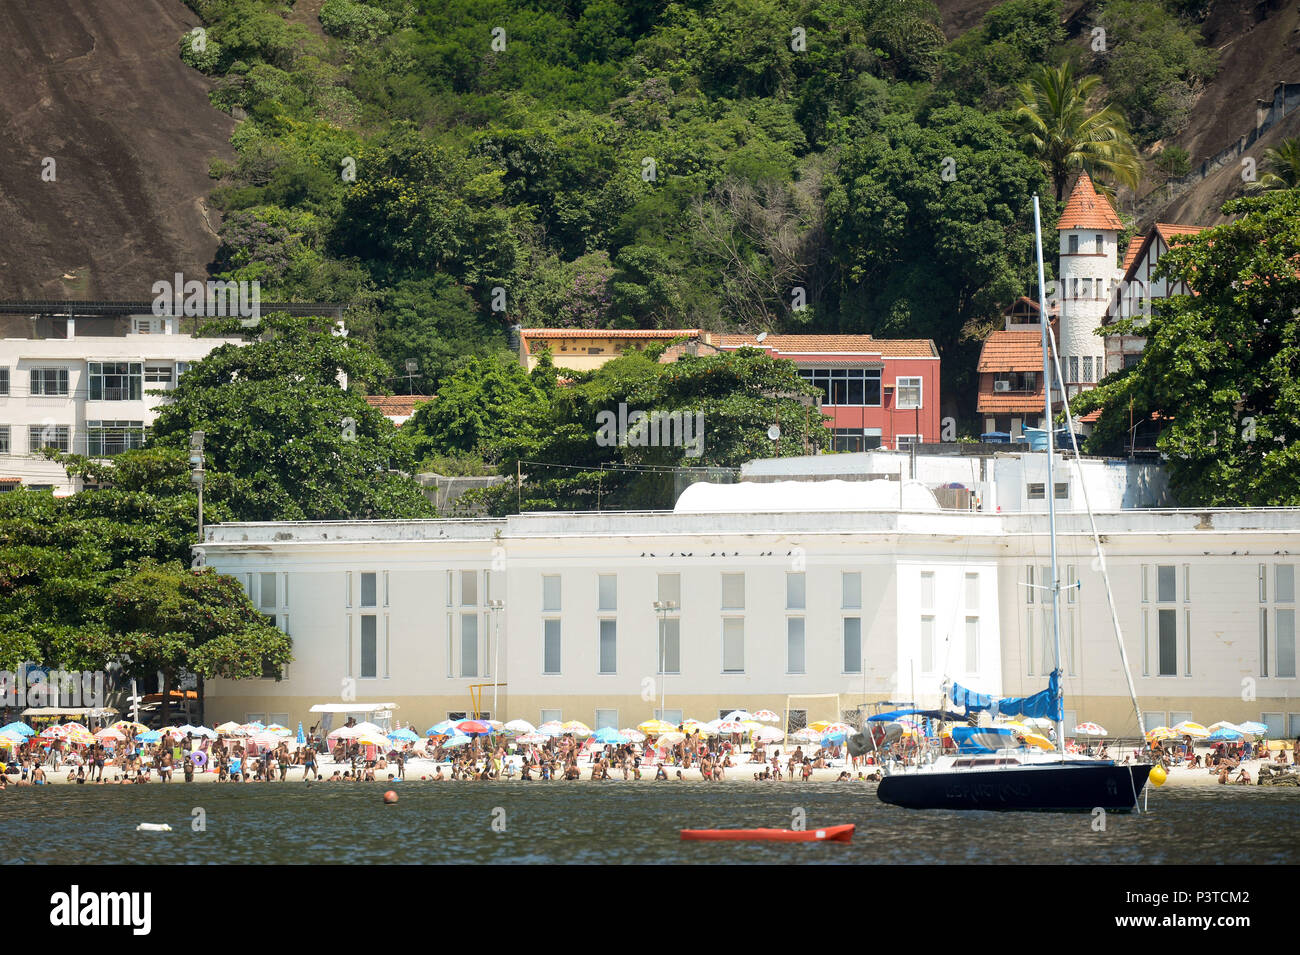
(656, 727)
(1042, 742)
(370, 739)
(821, 726)
(1160, 732)
(126, 725)
(577, 728)
(1194, 730)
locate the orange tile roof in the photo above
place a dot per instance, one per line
(608, 332)
(396, 405)
(1131, 253)
(835, 344)
(990, 402)
(1085, 209)
(1167, 231)
(1011, 351)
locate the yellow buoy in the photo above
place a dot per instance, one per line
(1158, 775)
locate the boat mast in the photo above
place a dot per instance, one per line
(1043, 319)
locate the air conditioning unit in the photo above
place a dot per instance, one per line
(1001, 386)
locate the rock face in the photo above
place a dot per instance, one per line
(100, 89)
(1273, 777)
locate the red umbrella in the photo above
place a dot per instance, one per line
(473, 727)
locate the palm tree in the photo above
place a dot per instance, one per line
(1283, 162)
(1064, 134)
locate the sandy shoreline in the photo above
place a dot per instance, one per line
(1179, 777)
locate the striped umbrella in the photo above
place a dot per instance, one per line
(126, 726)
(551, 728)
(635, 736)
(655, 727)
(80, 738)
(1194, 730)
(1160, 732)
(767, 716)
(532, 739)
(577, 728)
(1253, 728)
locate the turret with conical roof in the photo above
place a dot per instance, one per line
(1089, 233)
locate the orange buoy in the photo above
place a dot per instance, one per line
(824, 834)
(390, 798)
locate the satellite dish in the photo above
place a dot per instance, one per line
(760, 336)
(774, 432)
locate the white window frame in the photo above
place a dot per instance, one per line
(909, 382)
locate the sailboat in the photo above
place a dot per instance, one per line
(989, 769)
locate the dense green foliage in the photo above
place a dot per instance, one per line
(1221, 368)
(453, 169)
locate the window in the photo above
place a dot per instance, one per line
(608, 646)
(1087, 288)
(904, 442)
(1286, 643)
(1284, 585)
(551, 594)
(4, 381)
(1061, 490)
(4, 439)
(266, 592)
(1087, 363)
(1072, 245)
(669, 716)
(181, 368)
(845, 386)
(972, 591)
(733, 644)
(115, 380)
(1100, 243)
(606, 719)
(794, 591)
(670, 645)
(1029, 584)
(369, 647)
(1154, 718)
(733, 591)
(1263, 642)
(1036, 492)
(927, 644)
(1070, 581)
(851, 590)
(368, 590)
(551, 646)
(670, 588)
(550, 716)
(909, 393)
(1048, 642)
(469, 588)
(607, 592)
(1166, 584)
(852, 644)
(1168, 648)
(49, 381)
(158, 373)
(972, 644)
(1274, 723)
(107, 438)
(855, 439)
(794, 645)
(49, 436)
(796, 720)
(1074, 368)
(927, 588)
(469, 644)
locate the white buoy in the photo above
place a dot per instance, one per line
(153, 827)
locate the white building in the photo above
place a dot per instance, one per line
(867, 604)
(1089, 245)
(76, 376)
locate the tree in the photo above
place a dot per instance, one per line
(1221, 367)
(1283, 164)
(1064, 133)
(283, 438)
(983, 65)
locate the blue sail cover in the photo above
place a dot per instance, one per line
(983, 739)
(970, 699)
(1049, 703)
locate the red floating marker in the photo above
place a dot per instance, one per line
(824, 834)
(390, 797)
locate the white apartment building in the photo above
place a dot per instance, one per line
(77, 376)
(768, 609)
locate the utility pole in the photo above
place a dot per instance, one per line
(197, 473)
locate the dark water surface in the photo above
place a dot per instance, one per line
(616, 822)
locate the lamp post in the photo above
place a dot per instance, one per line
(663, 608)
(197, 472)
(496, 606)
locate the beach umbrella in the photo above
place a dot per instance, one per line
(444, 728)
(19, 727)
(108, 733)
(751, 726)
(1224, 725)
(671, 738)
(768, 734)
(767, 716)
(267, 740)
(375, 739)
(1042, 742)
(1225, 735)
(473, 727)
(279, 730)
(739, 716)
(551, 728)
(656, 727)
(807, 735)
(1253, 728)
(694, 726)
(731, 726)
(1160, 732)
(454, 741)
(1194, 730)
(519, 726)
(76, 726)
(532, 739)
(607, 734)
(577, 728)
(1090, 729)
(404, 735)
(228, 728)
(152, 736)
(832, 739)
(497, 725)
(53, 732)
(127, 725)
(821, 726)
(633, 736)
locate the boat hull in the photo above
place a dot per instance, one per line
(1059, 788)
(824, 834)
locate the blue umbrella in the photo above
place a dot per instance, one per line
(302, 737)
(1223, 735)
(152, 736)
(403, 734)
(833, 739)
(607, 734)
(445, 728)
(20, 727)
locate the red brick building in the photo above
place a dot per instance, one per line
(879, 393)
